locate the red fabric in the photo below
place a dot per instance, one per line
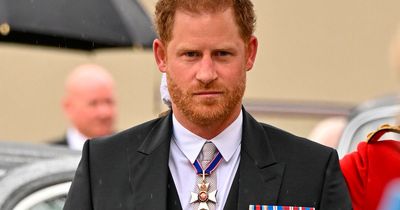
(369, 169)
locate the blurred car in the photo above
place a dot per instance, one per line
(367, 117)
(35, 177)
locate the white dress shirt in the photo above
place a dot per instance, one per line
(185, 148)
(75, 139)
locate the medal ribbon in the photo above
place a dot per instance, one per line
(211, 166)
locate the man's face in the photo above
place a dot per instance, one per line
(206, 62)
(91, 109)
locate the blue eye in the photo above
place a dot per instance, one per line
(222, 53)
(191, 54)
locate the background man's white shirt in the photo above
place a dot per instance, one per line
(75, 139)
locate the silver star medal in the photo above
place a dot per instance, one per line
(203, 196)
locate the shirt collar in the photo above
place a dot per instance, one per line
(75, 139)
(227, 142)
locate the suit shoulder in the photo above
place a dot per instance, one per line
(133, 136)
(279, 137)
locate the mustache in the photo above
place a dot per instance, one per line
(208, 87)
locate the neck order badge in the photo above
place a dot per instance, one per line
(203, 196)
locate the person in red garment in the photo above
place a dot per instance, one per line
(375, 163)
(369, 170)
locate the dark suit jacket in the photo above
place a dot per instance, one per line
(129, 170)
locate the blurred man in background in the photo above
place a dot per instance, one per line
(88, 104)
(328, 131)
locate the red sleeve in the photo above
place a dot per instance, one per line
(354, 168)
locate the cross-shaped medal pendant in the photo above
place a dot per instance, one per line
(203, 196)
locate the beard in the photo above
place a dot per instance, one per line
(205, 111)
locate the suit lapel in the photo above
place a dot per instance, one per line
(172, 195)
(260, 175)
(257, 181)
(149, 168)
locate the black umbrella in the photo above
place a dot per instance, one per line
(77, 24)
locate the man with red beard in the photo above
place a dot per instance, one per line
(208, 152)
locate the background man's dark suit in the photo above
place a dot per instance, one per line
(130, 171)
(61, 141)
